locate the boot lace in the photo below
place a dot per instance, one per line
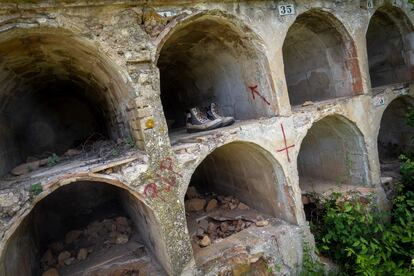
(200, 116)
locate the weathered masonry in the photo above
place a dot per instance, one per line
(93, 149)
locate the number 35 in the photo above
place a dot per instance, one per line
(286, 9)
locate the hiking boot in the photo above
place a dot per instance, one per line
(197, 121)
(213, 114)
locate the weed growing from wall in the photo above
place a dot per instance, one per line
(310, 265)
(35, 189)
(52, 160)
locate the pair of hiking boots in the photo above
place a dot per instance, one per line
(211, 119)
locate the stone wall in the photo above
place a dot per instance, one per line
(128, 70)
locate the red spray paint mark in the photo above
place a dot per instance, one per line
(151, 190)
(169, 180)
(167, 165)
(286, 148)
(253, 90)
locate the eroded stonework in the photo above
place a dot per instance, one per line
(112, 80)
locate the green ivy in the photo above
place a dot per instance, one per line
(310, 266)
(356, 236)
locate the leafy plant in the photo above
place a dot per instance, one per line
(356, 236)
(36, 189)
(115, 152)
(362, 239)
(52, 160)
(274, 269)
(310, 265)
(130, 142)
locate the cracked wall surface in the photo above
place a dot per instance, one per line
(317, 95)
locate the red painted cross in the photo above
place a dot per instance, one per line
(253, 90)
(286, 148)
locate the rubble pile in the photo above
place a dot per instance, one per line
(217, 217)
(211, 229)
(79, 244)
(390, 176)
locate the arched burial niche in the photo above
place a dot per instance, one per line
(229, 179)
(320, 59)
(389, 37)
(110, 223)
(332, 156)
(56, 92)
(395, 135)
(207, 59)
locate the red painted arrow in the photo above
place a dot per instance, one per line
(253, 90)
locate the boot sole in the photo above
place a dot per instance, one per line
(193, 130)
(230, 122)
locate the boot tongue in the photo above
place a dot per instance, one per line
(214, 111)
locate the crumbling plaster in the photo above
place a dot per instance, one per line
(116, 30)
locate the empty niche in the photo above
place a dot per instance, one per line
(320, 59)
(332, 155)
(389, 37)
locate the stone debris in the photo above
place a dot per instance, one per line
(56, 246)
(218, 229)
(200, 232)
(121, 238)
(48, 258)
(307, 103)
(69, 261)
(82, 254)
(79, 244)
(25, 168)
(72, 152)
(51, 272)
(212, 204)
(212, 225)
(195, 204)
(205, 241)
(192, 192)
(243, 206)
(204, 224)
(63, 256)
(72, 236)
(390, 177)
(261, 223)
